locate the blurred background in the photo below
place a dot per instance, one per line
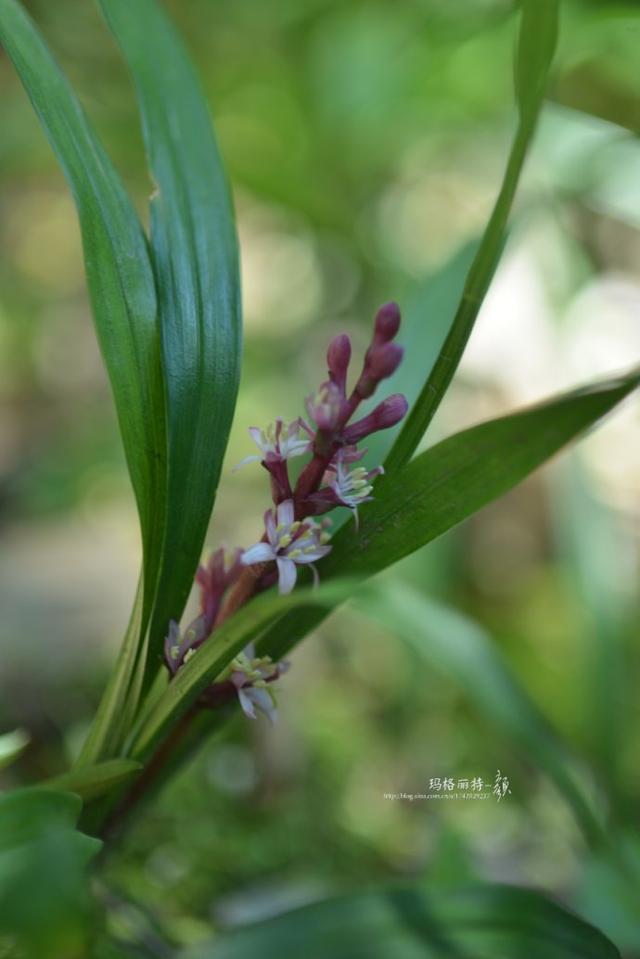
(365, 142)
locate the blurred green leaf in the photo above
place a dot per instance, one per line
(449, 482)
(89, 782)
(458, 647)
(195, 255)
(593, 540)
(536, 45)
(45, 907)
(122, 290)
(475, 922)
(12, 745)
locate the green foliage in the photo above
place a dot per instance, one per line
(476, 922)
(45, 906)
(122, 289)
(449, 482)
(181, 354)
(90, 782)
(231, 637)
(194, 251)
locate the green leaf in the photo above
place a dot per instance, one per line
(195, 256)
(449, 482)
(45, 909)
(12, 745)
(90, 782)
(458, 647)
(122, 290)
(209, 661)
(537, 40)
(475, 922)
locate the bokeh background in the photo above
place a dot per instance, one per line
(365, 142)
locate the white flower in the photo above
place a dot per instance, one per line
(289, 544)
(253, 678)
(279, 442)
(351, 487)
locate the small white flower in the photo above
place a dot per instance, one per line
(253, 678)
(351, 487)
(289, 544)
(279, 442)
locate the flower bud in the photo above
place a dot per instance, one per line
(385, 360)
(338, 356)
(325, 406)
(386, 414)
(387, 322)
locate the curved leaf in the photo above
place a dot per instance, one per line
(122, 291)
(195, 255)
(536, 45)
(482, 921)
(211, 658)
(89, 782)
(449, 482)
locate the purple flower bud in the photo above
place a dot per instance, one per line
(386, 414)
(385, 361)
(325, 407)
(338, 356)
(387, 322)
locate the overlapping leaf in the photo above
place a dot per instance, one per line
(195, 257)
(449, 482)
(122, 290)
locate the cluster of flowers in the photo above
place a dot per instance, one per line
(293, 536)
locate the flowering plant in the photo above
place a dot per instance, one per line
(167, 313)
(292, 537)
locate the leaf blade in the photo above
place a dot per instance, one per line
(122, 292)
(195, 255)
(425, 485)
(91, 782)
(481, 920)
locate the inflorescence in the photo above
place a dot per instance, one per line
(293, 536)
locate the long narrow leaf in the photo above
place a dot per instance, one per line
(195, 256)
(122, 290)
(90, 782)
(481, 921)
(449, 482)
(536, 46)
(209, 661)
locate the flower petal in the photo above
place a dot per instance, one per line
(286, 575)
(285, 513)
(246, 702)
(270, 526)
(259, 553)
(312, 556)
(245, 461)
